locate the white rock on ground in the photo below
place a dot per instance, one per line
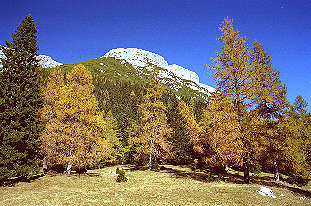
(264, 191)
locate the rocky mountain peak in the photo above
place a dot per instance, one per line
(137, 57)
(140, 57)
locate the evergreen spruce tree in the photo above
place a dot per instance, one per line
(20, 95)
(180, 139)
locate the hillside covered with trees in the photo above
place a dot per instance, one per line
(106, 112)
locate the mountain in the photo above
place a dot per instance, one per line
(47, 61)
(44, 61)
(130, 66)
(140, 58)
(174, 76)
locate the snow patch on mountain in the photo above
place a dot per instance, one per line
(137, 57)
(44, 61)
(47, 61)
(140, 58)
(183, 73)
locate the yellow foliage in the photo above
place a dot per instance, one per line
(222, 131)
(154, 130)
(74, 126)
(191, 125)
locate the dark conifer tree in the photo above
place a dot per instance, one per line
(20, 100)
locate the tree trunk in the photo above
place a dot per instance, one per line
(276, 171)
(150, 160)
(151, 144)
(69, 166)
(245, 157)
(226, 168)
(245, 168)
(44, 166)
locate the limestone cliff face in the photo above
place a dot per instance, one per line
(140, 57)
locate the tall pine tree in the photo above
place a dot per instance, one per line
(20, 95)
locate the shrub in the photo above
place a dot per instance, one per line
(256, 169)
(119, 171)
(121, 175)
(155, 166)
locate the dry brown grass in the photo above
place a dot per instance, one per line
(173, 186)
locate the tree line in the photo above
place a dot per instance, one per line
(78, 119)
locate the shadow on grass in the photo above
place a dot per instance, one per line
(11, 182)
(236, 178)
(135, 167)
(272, 183)
(84, 174)
(192, 175)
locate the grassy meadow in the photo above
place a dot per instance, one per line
(173, 185)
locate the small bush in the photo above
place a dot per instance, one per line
(299, 180)
(209, 175)
(155, 166)
(118, 171)
(121, 175)
(256, 169)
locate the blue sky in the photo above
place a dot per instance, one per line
(183, 32)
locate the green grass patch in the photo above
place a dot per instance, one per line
(172, 186)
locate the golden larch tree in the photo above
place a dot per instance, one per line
(222, 132)
(154, 129)
(76, 127)
(50, 138)
(191, 125)
(271, 102)
(232, 72)
(246, 76)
